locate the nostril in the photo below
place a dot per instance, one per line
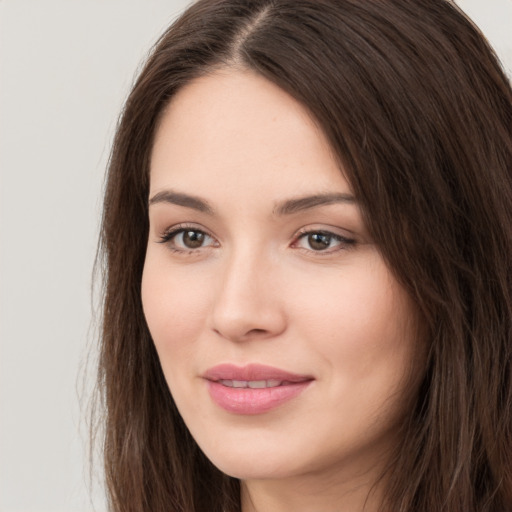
(257, 331)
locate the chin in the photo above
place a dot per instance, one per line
(251, 469)
(255, 462)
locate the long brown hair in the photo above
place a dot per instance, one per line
(419, 113)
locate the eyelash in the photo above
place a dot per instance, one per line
(344, 243)
(168, 237)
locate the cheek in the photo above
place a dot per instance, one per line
(377, 329)
(363, 306)
(175, 311)
(362, 326)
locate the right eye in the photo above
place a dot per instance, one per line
(187, 239)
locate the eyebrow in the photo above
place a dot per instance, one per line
(304, 203)
(194, 202)
(287, 207)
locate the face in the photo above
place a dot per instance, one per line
(284, 338)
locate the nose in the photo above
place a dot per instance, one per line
(249, 303)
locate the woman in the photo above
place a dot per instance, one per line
(307, 243)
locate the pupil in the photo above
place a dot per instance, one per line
(318, 241)
(193, 239)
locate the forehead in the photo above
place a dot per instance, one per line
(237, 128)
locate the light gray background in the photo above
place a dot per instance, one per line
(65, 69)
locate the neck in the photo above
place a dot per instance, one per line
(305, 493)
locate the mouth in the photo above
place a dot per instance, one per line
(253, 384)
(253, 389)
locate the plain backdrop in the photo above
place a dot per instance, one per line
(66, 67)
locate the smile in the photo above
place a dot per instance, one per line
(253, 389)
(253, 384)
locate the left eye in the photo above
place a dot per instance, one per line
(321, 241)
(187, 239)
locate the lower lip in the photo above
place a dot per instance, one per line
(254, 401)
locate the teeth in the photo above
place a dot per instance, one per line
(257, 384)
(253, 384)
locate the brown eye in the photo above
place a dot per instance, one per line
(319, 241)
(187, 239)
(192, 239)
(323, 241)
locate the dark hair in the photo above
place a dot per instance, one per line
(419, 113)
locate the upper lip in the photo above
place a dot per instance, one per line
(252, 372)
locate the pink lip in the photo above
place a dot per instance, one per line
(253, 400)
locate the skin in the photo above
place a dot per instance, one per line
(257, 289)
